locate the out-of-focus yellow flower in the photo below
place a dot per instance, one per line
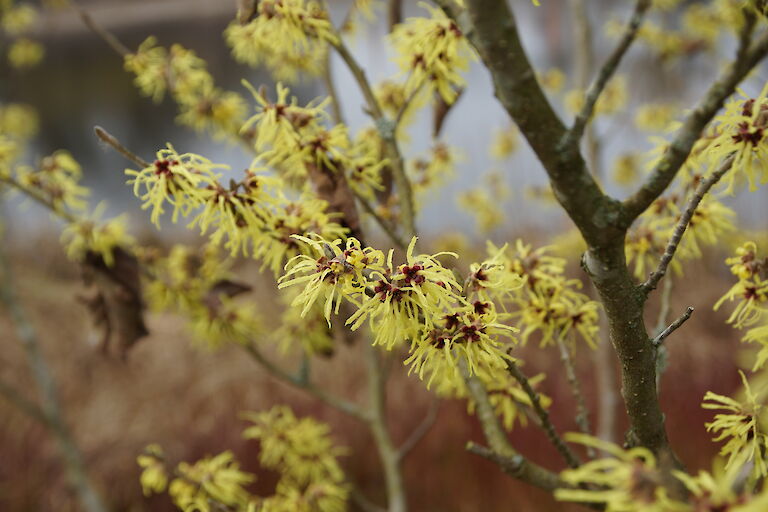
(655, 117)
(432, 51)
(18, 120)
(505, 142)
(17, 19)
(25, 53)
(288, 36)
(154, 475)
(92, 235)
(624, 481)
(553, 80)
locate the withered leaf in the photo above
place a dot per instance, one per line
(115, 301)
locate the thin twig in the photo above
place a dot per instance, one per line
(297, 381)
(420, 431)
(685, 220)
(690, 132)
(108, 37)
(662, 354)
(362, 501)
(502, 449)
(51, 409)
(582, 414)
(383, 224)
(388, 454)
(387, 128)
(109, 139)
(22, 403)
(570, 458)
(658, 340)
(39, 198)
(330, 87)
(607, 71)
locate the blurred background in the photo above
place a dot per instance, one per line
(188, 399)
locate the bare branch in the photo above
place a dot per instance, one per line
(109, 139)
(502, 450)
(682, 224)
(38, 198)
(387, 128)
(570, 458)
(679, 149)
(490, 27)
(50, 408)
(383, 223)
(390, 460)
(658, 340)
(22, 403)
(420, 431)
(607, 71)
(297, 381)
(582, 413)
(97, 29)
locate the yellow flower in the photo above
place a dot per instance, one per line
(179, 180)
(288, 36)
(742, 425)
(18, 120)
(432, 51)
(25, 53)
(624, 481)
(740, 130)
(218, 479)
(505, 142)
(154, 476)
(91, 235)
(17, 19)
(300, 449)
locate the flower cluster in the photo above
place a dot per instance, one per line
(16, 21)
(751, 292)
(743, 426)
(485, 202)
(545, 302)
(199, 284)
(740, 132)
(205, 486)
(298, 449)
(182, 74)
(419, 302)
(649, 236)
(432, 51)
(57, 180)
(90, 234)
(288, 36)
(252, 215)
(625, 480)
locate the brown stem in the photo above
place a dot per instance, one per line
(570, 458)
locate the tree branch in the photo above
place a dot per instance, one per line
(296, 381)
(490, 27)
(50, 408)
(503, 453)
(682, 224)
(110, 140)
(606, 72)
(679, 149)
(387, 128)
(22, 403)
(582, 413)
(570, 458)
(658, 340)
(420, 431)
(390, 459)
